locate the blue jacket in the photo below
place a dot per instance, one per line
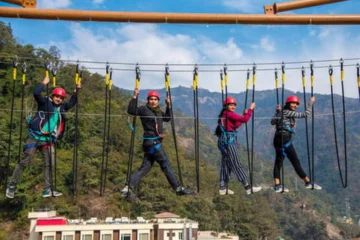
(45, 104)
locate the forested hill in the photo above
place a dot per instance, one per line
(266, 215)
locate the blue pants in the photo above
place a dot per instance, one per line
(149, 158)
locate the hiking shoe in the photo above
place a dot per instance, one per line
(309, 186)
(279, 188)
(10, 191)
(254, 189)
(181, 191)
(124, 190)
(47, 193)
(222, 191)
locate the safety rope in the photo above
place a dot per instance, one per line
(312, 127)
(343, 181)
(15, 64)
(252, 128)
(132, 140)
(49, 142)
(303, 78)
(23, 81)
(247, 84)
(78, 79)
(108, 132)
(222, 86)
(189, 64)
(196, 125)
(168, 95)
(107, 67)
(358, 77)
(54, 71)
(226, 83)
(283, 78)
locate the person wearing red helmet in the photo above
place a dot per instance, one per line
(152, 119)
(285, 128)
(228, 123)
(45, 128)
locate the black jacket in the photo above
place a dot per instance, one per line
(149, 119)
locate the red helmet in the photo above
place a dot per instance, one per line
(59, 91)
(153, 94)
(229, 100)
(293, 99)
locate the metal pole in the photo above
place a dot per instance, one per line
(23, 3)
(188, 18)
(287, 6)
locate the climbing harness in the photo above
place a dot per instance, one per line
(343, 179)
(168, 95)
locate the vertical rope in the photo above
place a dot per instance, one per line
(306, 120)
(168, 95)
(132, 140)
(246, 126)
(196, 125)
(283, 77)
(22, 107)
(104, 131)
(53, 71)
(108, 132)
(78, 79)
(15, 63)
(312, 127)
(252, 129)
(50, 142)
(222, 85)
(358, 77)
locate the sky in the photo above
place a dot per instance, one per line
(201, 43)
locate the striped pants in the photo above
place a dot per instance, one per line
(230, 162)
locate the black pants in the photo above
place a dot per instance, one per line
(290, 153)
(159, 156)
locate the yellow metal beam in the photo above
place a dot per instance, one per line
(287, 6)
(187, 18)
(23, 3)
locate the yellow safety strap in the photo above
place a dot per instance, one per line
(248, 79)
(77, 74)
(222, 84)
(254, 75)
(226, 77)
(107, 74)
(196, 77)
(312, 74)
(331, 75)
(358, 74)
(15, 64)
(342, 69)
(167, 78)
(283, 75)
(110, 79)
(276, 79)
(303, 76)
(138, 76)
